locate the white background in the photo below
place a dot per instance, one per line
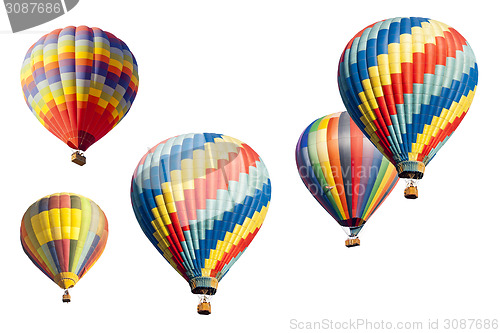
(259, 71)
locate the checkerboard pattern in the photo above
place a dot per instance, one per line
(79, 82)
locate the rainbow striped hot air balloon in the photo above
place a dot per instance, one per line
(408, 82)
(201, 199)
(79, 82)
(344, 171)
(64, 234)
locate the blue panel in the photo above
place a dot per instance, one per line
(382, 38)
(187, 149)
(394, 32)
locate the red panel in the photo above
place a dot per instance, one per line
(332, 136)
(397, 89)
(200, 197)
(430, 58)
(418, 67)
(440, 51)
(356, 164)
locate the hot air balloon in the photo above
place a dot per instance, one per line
(79, 83)
(408, 82)
(64, 234)
(201, 199)
(344, 172)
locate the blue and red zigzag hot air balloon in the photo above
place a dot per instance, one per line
(408, 83)
(201, 199)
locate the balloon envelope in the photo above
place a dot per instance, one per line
(200, 199)
(346, 174)
(64, 234)
(408, 82)
(79, 83)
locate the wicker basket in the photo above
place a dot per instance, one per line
(411, 192)
(204, 308)
(352, 242)
(78, 158)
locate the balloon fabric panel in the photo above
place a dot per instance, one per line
(200, 199)
(79, 83)
(343, 170)
(64, 233)
(407, 83)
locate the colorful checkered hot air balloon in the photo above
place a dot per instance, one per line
(408, 82)
(79, 83)
(346, 174)
(201, 199)
(64, 234)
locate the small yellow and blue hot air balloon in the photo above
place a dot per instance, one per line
(64, 234)
(201, 198)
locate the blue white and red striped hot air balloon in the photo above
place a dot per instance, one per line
(344, 171)
(201, 199)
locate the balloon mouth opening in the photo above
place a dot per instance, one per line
(204, 291)
(66, 280)
(204, 285)
(411, 169)
(81, 140)
(354, 224)
(411, 174)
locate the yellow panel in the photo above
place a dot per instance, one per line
(362, 97)
(101, 50)
(162, 208)
(55, 223)
(155, 212)
(95, 89)
(378, 194)
(45, 234)
(417, 34)
(76, 221)
(394, 55)
(65, 48)
(386, 79)
(116, 63)
(102, 103)
(171, 207)
(66, 222)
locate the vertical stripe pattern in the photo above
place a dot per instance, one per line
(64, 234)
(343, 170)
